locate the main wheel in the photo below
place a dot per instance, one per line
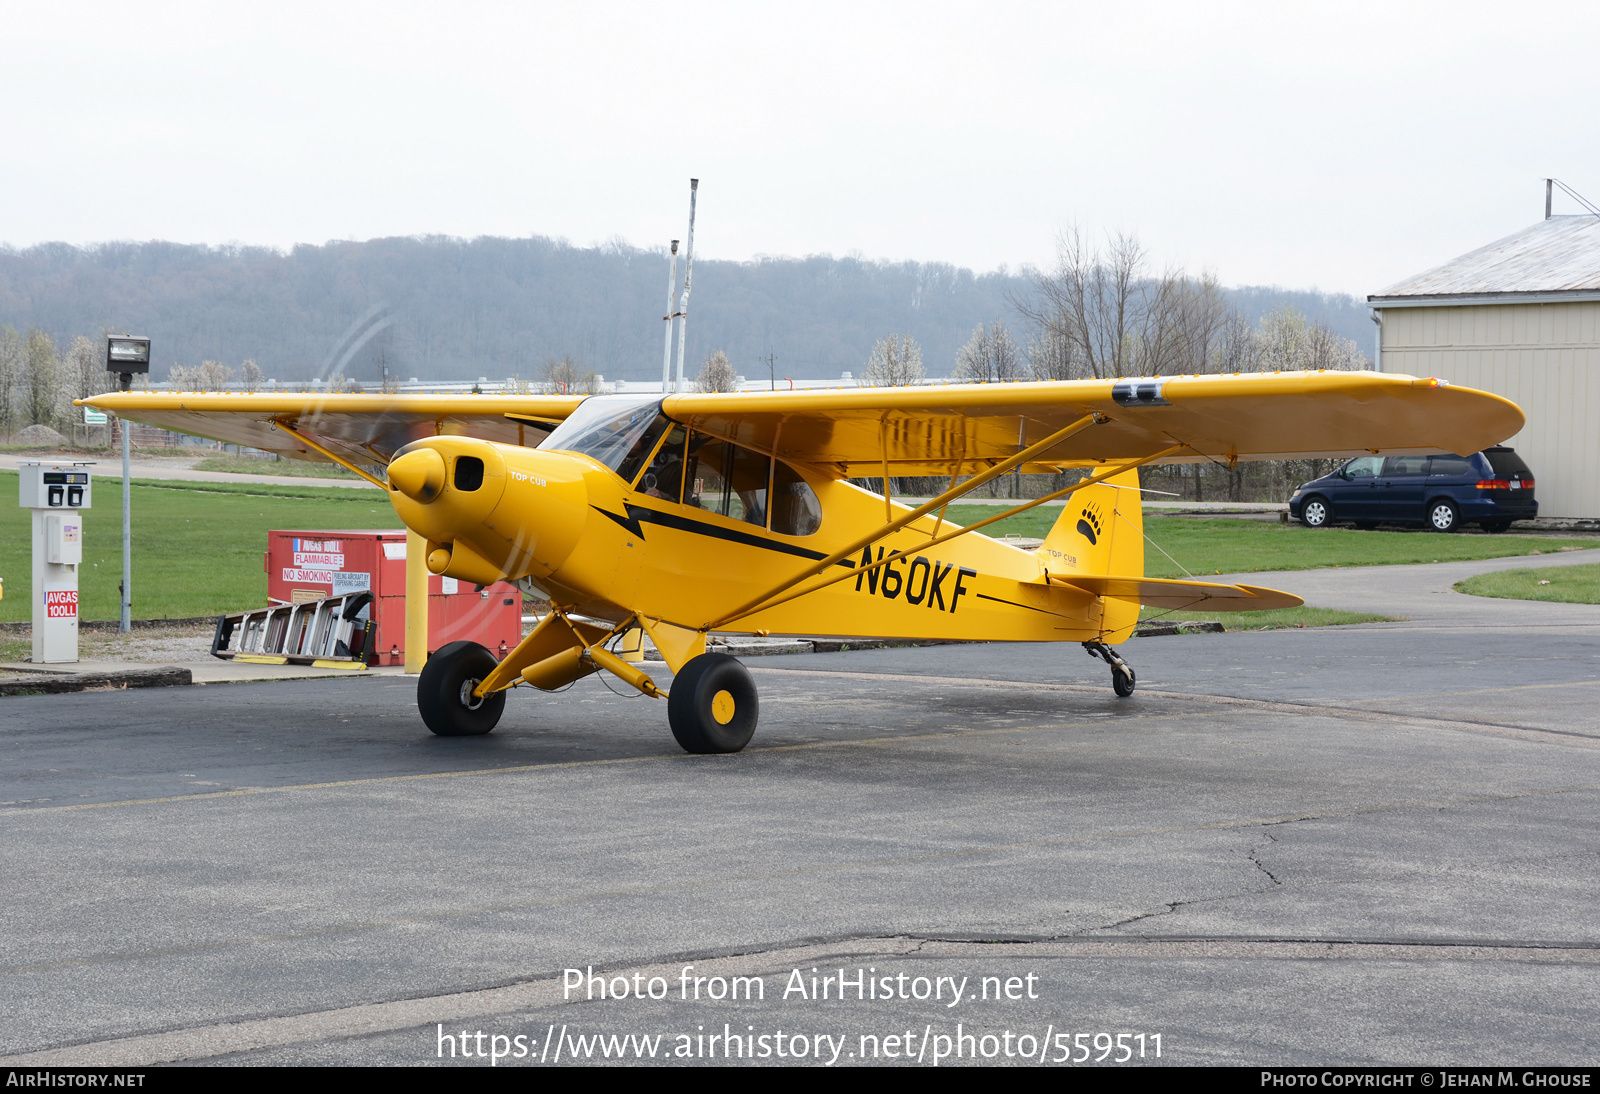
(1443, 516)
(444, 691)
(712, 705)
(1315, 513)
(1122, 682)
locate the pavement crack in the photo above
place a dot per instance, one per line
(1259, 865)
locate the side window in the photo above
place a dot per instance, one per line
(1405, 465)
(795, 508)
(705, 483)
(1364, 467)
(1449, 465)
(664, 477)
(747, 486)
(724, 478)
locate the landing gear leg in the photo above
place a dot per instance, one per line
(1122, 675)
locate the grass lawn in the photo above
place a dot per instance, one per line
(1278, 619)
(1566, 584)
(197, 547)
(1221, 546)
(300, 469)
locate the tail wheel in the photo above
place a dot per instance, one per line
(1315, 513)
(444, 691)
(712, 706)
(1122, 682)
(1443, 516)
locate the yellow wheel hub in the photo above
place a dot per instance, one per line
(722, 707)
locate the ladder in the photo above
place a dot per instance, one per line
(332, 633)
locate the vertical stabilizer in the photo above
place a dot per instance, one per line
(1101, 532)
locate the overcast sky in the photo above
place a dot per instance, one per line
(1339, 146)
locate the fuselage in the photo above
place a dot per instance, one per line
(603, 546)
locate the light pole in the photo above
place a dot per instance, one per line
(125, 356)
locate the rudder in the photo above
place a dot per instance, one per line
(1101, 532)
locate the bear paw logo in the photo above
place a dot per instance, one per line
(1089, 524)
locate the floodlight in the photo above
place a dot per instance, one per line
(127, 355)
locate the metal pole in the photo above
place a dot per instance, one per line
(126, 624)
(688, 272)
(1547, 187)
(416, 602)
(666, 352)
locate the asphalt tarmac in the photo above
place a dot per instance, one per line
(1326, 847)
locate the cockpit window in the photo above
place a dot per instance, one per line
(664, 477)
(611, 429)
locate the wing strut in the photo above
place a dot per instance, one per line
(1097, 477)
(340, 460)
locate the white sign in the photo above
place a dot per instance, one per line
(351, 583)
(300, 577)
(91, 416)
(447, 585)
(319, 560)
(394, 550)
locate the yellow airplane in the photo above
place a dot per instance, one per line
(697, 514)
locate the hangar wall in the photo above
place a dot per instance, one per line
(1545, 357)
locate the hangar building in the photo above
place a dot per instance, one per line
(1520, 318)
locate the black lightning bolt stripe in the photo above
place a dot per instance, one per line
(630, 522)
(639, 515)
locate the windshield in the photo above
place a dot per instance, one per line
(606, 427)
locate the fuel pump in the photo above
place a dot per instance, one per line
(57, 493)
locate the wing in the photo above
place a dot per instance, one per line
(1165, 593)
(965, 428)
(365, 429)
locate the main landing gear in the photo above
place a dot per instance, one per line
(444, 691)
(1122, 675)
(712, 706)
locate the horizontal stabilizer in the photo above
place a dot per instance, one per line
(1163, 593)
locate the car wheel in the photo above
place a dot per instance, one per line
(444, 691)
(1315, 513)
(1443, 516)
(1496, 526)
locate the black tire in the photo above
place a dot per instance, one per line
(1442, 516)
(712, 705)
(444, 691)
(1123, 682)
(1495, 527)
(1315, 512)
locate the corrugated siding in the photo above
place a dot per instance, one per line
(1543, 357)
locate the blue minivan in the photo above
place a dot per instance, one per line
(1491, 488)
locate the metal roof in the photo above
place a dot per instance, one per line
(1560, 255)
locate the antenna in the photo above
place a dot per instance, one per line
(688, 272)
(666, 352)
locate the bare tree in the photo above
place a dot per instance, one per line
(250, 374)
(41, 380)
(13, 365)
(567, 377)
(990, 356)
(896, 361)
(1053, 355)
(214, 376)
(716, 374)
(1288, 340)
